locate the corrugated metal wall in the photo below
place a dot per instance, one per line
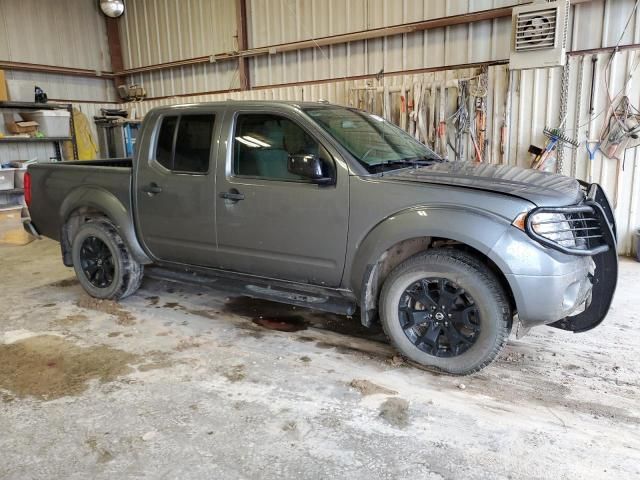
(66, 87)
(160, 31)
(278, 21)
(67, 33)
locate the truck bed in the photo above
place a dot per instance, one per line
(55, 185)
(108, 162)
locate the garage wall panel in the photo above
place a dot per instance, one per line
(67, 33)
(461, 44)
(612, 15)
(280, 21)
(66, 87)
(189, 79)
(159, 31)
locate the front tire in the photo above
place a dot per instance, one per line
(446, 310)
(102, 262)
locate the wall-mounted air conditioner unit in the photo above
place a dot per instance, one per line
(539, 35)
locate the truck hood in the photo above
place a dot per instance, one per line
(540, 188)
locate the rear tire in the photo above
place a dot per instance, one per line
(446, 310)
(102, 262)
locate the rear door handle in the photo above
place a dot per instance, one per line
(235, 196)
(152, 188)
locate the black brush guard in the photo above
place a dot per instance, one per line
(593, 225)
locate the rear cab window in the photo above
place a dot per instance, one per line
(184, 143)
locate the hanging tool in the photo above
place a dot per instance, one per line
(556, 137)
(592, 153)
(442, 125)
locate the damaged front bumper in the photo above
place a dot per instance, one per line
(605, 275)
(567, 290)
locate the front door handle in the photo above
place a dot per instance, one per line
(233, 194)
(152, 188)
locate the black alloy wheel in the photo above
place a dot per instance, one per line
(97, 262)
(439, 317)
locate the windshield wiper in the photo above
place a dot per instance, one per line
(424, 160)
(414, 162)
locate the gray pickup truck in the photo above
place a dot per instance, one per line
(336, 209)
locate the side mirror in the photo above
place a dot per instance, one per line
(311, 167)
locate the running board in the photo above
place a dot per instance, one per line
(307, 296)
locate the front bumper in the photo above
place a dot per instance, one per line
(545, 299)
(570, 290)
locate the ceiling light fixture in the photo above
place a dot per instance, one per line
(112, 8)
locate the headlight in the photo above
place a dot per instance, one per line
(553, 226)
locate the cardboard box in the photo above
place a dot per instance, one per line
(11, 230)
(22, 127)
(4, 94)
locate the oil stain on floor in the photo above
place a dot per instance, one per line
(282, 317)
(49, 367)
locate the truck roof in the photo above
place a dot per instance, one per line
(275, 103)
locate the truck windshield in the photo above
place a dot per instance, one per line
(377, 144)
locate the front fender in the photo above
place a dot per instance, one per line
(476, 228)
(107, 203)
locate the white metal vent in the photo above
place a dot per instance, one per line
(539, 35)
(536, 30)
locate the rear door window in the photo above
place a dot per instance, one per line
(184, 143)
(164, 145)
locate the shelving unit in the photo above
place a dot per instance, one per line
(34, 139)
(56, 141)
(13, 191)
(13, 196)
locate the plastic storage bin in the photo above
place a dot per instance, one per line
(7, 178)
(53, 123)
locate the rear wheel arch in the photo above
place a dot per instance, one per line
(72, 223)
(88, 203)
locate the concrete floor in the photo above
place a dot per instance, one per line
(179, 382)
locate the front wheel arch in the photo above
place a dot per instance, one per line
(378, 271)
